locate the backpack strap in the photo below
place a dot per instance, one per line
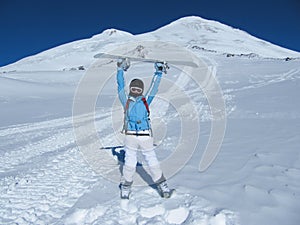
(127, 105)
(146, 105)
(125, 112)
(148, 110)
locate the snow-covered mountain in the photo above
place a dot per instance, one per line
(199, 35)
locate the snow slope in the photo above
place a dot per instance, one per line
(255, 178)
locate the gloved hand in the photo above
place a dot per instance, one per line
(123, 64)
(161, 67)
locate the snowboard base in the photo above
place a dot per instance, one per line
(132, 58)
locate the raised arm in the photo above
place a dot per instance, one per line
(160, 69)
(153, 87)
(121, 87)
(123, 65)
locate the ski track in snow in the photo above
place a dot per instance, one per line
(258, 81)
(43, 175)
(40, 180)
(42, 172)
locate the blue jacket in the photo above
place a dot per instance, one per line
(137, 118)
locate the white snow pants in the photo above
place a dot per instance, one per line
(145, 144)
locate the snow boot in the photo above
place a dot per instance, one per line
(163, 189)
(125, 189)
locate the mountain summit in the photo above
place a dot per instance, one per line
(217, 37)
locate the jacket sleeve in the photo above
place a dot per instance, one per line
(153, 87)
(121, 87)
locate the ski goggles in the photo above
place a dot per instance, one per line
(136, 90)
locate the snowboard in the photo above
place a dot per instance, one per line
(138, 59)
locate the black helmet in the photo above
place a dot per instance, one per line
(136, 87)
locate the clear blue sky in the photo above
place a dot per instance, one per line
(31, 26)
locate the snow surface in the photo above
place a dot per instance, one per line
(255, 178)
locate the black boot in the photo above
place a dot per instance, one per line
(163, 189)
(125, 188)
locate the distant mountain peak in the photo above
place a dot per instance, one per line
(113, 33)
(110, 32)
(194, 31)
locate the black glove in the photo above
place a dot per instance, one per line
(123, 64)
(161, 67)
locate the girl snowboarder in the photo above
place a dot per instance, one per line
(137, 128)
